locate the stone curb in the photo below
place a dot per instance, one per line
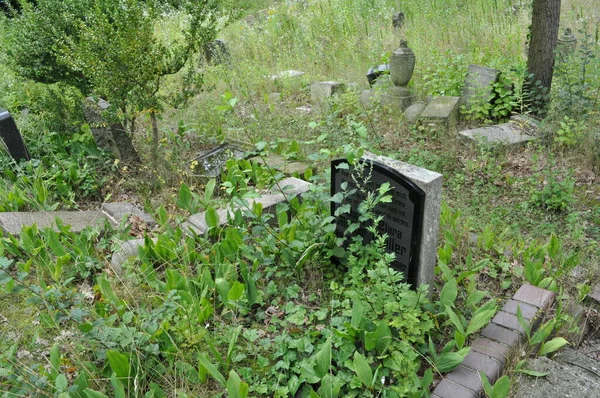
(496, 343)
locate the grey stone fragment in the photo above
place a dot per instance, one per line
(278, 162)
(13, 222)
(321, 92)
(504, 134)
(479, 85)
(412, 113)
(287, 74)
(431, 183)
(571, 374)
(127, 250)
(441, 111)
(116, 211)
(595, 293)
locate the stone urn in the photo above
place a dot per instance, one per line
(402, 65)
(567, 43)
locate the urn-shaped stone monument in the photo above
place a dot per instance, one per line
(401, 66)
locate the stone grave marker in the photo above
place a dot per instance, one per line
(441, 111)
(410, 220)
(12, 137)
(479, 85)
(321, 93)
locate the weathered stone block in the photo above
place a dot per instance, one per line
(441, 111)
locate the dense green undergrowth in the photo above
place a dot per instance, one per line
(256, 307)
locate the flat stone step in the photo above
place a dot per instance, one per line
(501, 134)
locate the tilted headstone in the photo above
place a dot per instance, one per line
(12, 137)
(321, 92)
(479, 85)
(112, 137)
(410, 220)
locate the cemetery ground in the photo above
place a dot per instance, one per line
(257, 307)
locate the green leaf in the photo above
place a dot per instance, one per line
(55, 360)
(236, 291)
(119, 363)
(448, 294)
(543, 332)
(533, 373)
(118, 387)
(455, 320)
(487, 387)
(481, 318)
(501, 387)
(94, 394)
(553, 247)
(236, 388)
(211, 217)
(449, 360)
(185, 198)
(209, 191)
(553, 345)
(379, 339)
(362, 369)
(330, 386)
(223, 288)
(61, 383)
(212, 369)
(323, 359)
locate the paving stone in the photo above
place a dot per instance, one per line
(466, 377)
(117, 211)
(509, 321)
(502, 335)
(495, 350)
(483, 363)
(528, 311)
(449, 389)
(533, 295)
(13, 222)
(504, 134)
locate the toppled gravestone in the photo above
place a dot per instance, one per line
(441, 111)
(518, 131)
(109, 136)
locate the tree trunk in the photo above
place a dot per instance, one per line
(540, 58)
(154, 135)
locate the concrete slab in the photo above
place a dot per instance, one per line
(117, 211)
(13, 222)
(500, 134)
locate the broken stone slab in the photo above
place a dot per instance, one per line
(278, 194)
(500, 134)
(211, 163)
(479, 85)
(128, 250)
(287, 74)
(13, 222)
(321, 92)
(117, 211)
(441, 111)
(570, 374)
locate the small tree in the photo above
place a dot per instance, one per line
(120, 50)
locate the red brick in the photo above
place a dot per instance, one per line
(449, 389)
(508, 321)
(535, 296)
(466, 377)
(483, 363)
(491, 348)
(529, 311)
(502, 335)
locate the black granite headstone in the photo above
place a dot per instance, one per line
(12, 137)
(402, 217)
